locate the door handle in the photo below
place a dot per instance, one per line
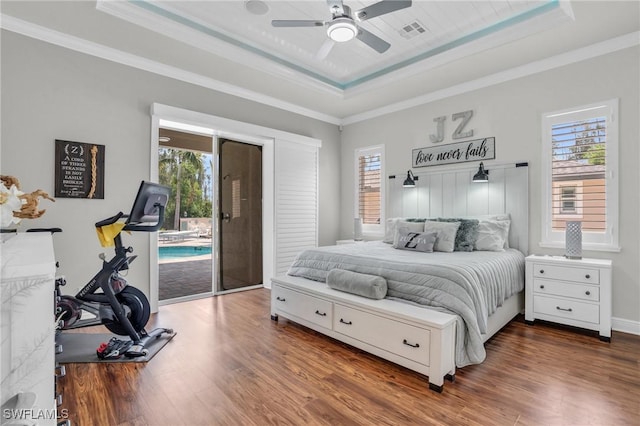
(225, 216)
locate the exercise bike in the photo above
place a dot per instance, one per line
(121, 308)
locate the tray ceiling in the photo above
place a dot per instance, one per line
(242, 31)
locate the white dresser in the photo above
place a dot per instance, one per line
(27, 330)
(574, 292)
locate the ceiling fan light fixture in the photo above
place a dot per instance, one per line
(342, 29)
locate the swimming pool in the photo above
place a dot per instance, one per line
(182, 251)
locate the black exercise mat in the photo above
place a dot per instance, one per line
(81, 347)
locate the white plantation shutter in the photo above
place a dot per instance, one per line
(369, 189)
(580, 173)
(296, 191)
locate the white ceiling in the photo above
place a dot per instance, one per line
(223, 42)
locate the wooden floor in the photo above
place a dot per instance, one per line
(230, 364)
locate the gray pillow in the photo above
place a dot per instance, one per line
(466, 235)
(371, 286)
(407, 239)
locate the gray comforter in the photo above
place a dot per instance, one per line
(471, 285)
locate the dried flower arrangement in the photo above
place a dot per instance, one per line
(16, 205)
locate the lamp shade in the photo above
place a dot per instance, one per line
(482, 176)
(410, 181)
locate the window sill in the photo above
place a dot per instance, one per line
(585, 246)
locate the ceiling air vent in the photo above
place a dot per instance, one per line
(412, 29)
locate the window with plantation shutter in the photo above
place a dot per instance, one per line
(369, 188)
(580, 159)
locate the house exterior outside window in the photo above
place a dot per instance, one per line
(369, 191)
(580, 175)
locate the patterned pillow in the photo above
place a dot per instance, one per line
(466, 235)
(446, 231)
(417, 241)
(395, 223)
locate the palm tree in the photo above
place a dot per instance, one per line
(172, 162)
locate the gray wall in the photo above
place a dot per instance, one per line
(52, 93)
(511, 112)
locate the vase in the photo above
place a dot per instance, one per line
(573, 240)
(357, 229)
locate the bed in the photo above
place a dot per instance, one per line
(439, 307)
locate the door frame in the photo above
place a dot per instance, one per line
(215, 126)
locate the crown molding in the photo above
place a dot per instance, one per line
(38, 32)
(77, 44)
(584, 53)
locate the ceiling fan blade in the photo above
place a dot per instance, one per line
(381, 8)
(372, 40)
(324, 50)
(296, 23)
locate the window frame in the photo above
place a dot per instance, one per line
(605, 241)
(370, 229)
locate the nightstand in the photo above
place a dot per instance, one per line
(574, 292)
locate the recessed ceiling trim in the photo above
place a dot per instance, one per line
(277, 63)
(137, 13)
(462, 41)
(77, 44)
(582, 54)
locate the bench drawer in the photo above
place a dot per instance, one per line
(402, 339)
(317, 311)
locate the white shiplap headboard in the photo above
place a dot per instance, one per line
(449, 192)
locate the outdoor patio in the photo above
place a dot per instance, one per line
(179, 277)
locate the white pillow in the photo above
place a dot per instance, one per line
(395, 223)
(446, 234)
(500, 216)
(390, 228)
(492, 235)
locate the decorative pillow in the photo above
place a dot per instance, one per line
(390, 229)
(499, 216)
(371, 286)
(446, 238)
(392, 225)
(492, 235)
(416, 241)
(466, 235)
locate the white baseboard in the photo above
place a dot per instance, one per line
(625, 326)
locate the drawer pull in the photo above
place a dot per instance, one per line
(587, 276)
(564, 309)
(588, 293)
(541, 285)
(542, 271)
(322, 314)
(417, 345)
(345, 322)
(281, 299)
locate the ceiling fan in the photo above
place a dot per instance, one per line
(343, 24)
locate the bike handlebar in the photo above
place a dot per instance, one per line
(110, 220)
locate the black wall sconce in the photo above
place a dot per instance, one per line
(410, 181)
(482, 176)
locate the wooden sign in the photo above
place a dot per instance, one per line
(79, 170)
(475, 150)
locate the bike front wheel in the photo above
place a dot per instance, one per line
(137, 308)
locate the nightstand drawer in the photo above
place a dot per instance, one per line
(564, 308)
(564, 273)
(556, 288)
